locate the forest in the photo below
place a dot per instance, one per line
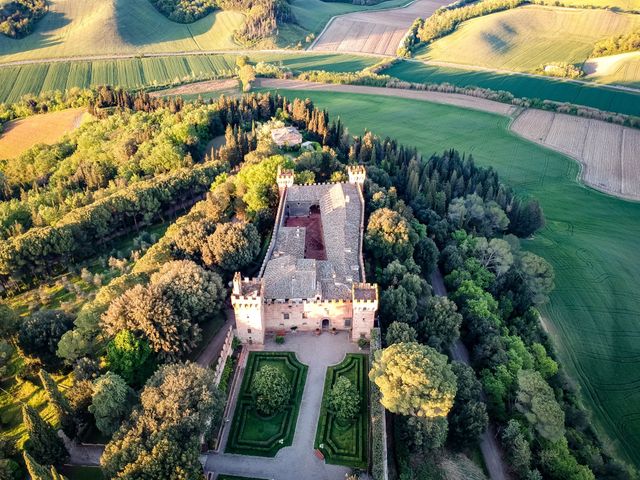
(18, 17)
(124, 350)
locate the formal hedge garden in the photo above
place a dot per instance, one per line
(254, 434)
(345, 443)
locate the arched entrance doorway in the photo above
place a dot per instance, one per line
(325, 323)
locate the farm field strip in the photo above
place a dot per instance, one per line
(134, 73)
(589, 238)
(617, 100)
(528, 37)
(607, 152)
(378, 32)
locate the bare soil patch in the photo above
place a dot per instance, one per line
(20, 135)
(607, 152)
(226, 85)
(378, 32)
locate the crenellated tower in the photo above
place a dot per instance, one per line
(247, 299)
(284, 179)
(365, 304)
(357, 174)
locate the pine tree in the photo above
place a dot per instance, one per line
(59, 403)
(44, 443)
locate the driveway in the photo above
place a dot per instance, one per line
(298, 460)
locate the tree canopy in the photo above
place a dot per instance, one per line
(414, 380)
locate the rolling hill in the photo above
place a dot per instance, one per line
(525, 38)
(95, 27)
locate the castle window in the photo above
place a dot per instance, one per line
(285, 316)
(304, 314)
(248, 330)
(347, 322)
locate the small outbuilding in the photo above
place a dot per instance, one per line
(286, 137)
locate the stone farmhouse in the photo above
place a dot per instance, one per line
(313, 277)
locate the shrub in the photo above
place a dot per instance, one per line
(279, 339)
(271, 390)
(344, 400)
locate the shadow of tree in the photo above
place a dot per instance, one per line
(42, 36)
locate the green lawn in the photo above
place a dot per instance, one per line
(520, 85)
(252, 434)
(16, 81)
(591, 240)
(346, 445)
(526, 38)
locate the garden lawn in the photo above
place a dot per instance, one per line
(526, 38)
(252, 434)
(520, 85)
(591, 240)
(348, 446)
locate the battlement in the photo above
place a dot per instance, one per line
(246, 288)
(284, 178)
(364, 292)
(357, 174)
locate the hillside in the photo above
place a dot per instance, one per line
(525, 38)
(95, 27)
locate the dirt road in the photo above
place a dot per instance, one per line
(491, 451)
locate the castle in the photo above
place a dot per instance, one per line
(312, 277)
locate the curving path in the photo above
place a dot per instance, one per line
(491, 451)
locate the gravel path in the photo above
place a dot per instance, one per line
(298, 460)
(491, 451)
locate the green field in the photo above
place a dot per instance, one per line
(520, 85)
(590, 238)
(526, 38)
(345, 445)
(93, 27)
(16, 81)
(252, 434)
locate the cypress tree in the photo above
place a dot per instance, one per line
(44, 443)
(36, 471)
(59, 403)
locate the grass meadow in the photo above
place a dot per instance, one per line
(521, 85)
(591, 240)
(526, 38)
(135, 73)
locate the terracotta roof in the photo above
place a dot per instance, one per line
(289, 275)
